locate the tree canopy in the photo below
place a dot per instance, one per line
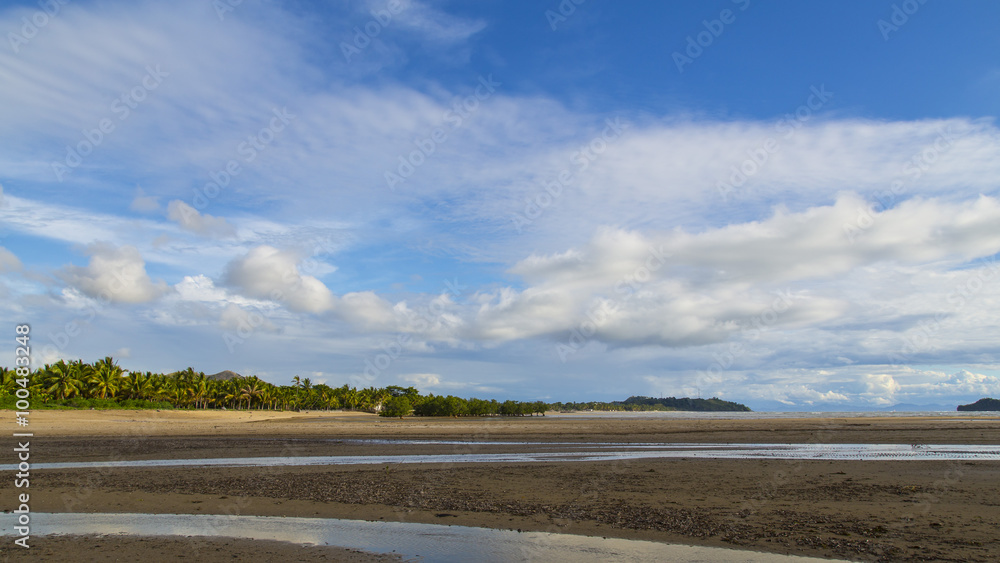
(104, 384)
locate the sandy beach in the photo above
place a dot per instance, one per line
(859, 510)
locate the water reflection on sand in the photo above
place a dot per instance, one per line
(586, 451)
(431, 543)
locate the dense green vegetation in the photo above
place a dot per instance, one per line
(654, 404)
(455, 406)
(105, 385)
(984, 404)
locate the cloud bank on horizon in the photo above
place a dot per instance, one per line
(786, 205)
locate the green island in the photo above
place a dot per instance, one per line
(984, 404)
(105, 385)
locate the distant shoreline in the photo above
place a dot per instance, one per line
(810, 506)
(662, 426)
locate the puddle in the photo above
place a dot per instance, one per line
(430, 543)
(587, 452)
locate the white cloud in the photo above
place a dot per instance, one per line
(422, 380)
(433, 24)
(872, 386)
(114, 274)
(200, 288)
(143, 203)
(367, 310)
(681, 289)
(961, 383)
(882, 387)
(858, 291)
(204, 224)
(268, 273)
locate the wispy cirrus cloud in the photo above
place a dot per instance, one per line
(879, 231)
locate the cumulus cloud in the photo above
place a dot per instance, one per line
(271, 274)
(204, 224)
(268, 273)
(870, 265)
(200, 288)
(881, 388)
(680, 288)
(114, 274)
(143, 203)
(909, 385)
(367, 310)
(868, 386)
(962, 383)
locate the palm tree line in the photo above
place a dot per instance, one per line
(77, 383)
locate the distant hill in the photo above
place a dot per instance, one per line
(912, 407)
(653, 404)
(223, 375)
(684, 404)
(984, 404)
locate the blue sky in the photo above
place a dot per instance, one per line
(787, 204)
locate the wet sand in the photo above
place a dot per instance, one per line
(59, 549)
(869, 511)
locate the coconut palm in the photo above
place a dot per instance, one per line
(62, 381)
(350, 397)
(8, 380)
(201, 391)
(106, 378)
(332, 402)
(137, 385)
(159, 386)
(179, 390)
(267, 396)
(251, 390)
(229, 392)
(82, 372)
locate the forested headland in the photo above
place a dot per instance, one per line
(984, 404)
(638, 404)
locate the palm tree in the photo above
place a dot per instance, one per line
(8, 378)
(62, 381)
(366, 399)
(201, 390)
(267, 397)
(229, 392)
(350, 397)
(138, 385)
(106, 378)
(332, 403)
(179, 390)
(381, 396)
(250, 391)
(159, 386)
(82, 372)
